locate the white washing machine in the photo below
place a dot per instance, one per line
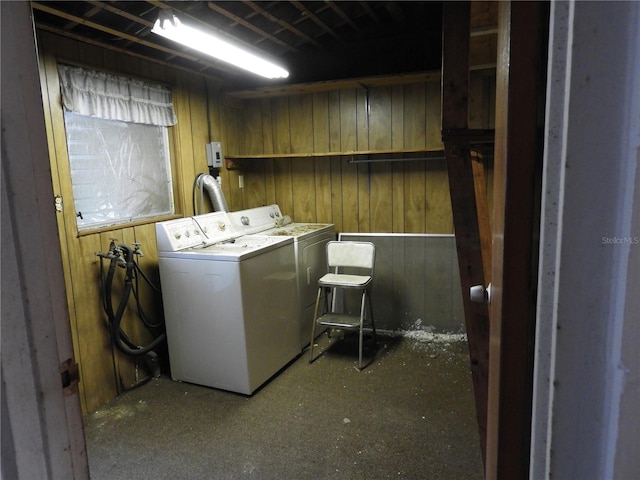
(228, 319)
(309, 240)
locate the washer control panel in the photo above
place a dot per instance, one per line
(188, 232)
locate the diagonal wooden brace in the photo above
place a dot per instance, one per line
(456, 138)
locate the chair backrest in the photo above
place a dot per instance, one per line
(349, 254)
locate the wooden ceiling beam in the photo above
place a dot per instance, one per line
(371, 13)
(338, 11)
(111, 31)
(123, 14)
(217, 8)
(282, 23)
(89, 14)
(312, 16)
(146, 24)
(172, 53)
(124, 51)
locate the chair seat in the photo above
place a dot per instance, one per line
(339, 320)
(344, 280)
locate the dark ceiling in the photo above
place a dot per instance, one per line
(315, 41)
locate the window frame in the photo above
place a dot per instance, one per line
(175, 167)
(117, 190)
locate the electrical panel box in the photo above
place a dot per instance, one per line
(214, 154)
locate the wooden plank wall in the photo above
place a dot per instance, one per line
(410, 196)
(104, 370)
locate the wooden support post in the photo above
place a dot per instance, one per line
(520, 103)
(482, 208)
(455, 89)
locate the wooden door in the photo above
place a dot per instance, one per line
(521, 76)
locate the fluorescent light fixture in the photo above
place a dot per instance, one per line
(210, 44)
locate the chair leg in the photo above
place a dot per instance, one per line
(329, 306)
(361, 334)
(313, 327)
(373, 325)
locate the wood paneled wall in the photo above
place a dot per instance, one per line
(104, 370)
(409, 196)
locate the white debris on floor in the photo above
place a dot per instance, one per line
(434, 345)
(430, 337)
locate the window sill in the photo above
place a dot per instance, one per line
(122, 226)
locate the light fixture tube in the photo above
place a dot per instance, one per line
(210, 44)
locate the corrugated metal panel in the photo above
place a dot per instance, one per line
(416, 284)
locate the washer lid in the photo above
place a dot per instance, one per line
(234, 250)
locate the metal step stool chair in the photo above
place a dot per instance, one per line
(350, 265)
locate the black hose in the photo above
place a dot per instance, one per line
(119, 337)
(136, 289)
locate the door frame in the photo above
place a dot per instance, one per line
(42, 430)
(586, 396)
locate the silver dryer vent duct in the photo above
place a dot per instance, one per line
(214, 190)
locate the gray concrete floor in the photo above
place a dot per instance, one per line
(408, 415)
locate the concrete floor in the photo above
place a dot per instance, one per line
(408, 415)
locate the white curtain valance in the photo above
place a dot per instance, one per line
(99, 94)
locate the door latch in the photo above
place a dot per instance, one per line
(70, 377)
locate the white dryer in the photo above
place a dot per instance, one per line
(229, 324)
(309, 240)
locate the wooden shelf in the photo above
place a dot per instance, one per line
(234, 161)
(352, 153)
(331, 154)
(477, 137)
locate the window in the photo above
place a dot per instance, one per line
(118, 146)
(120, 171)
